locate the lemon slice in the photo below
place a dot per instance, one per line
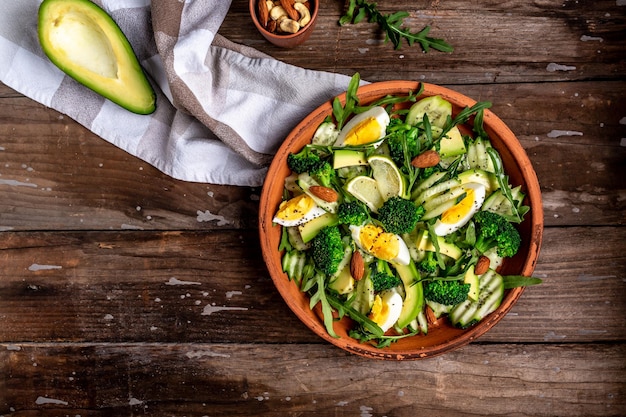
(366, 190)
(387, 175)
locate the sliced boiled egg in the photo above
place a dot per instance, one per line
(364, 128)
(383, 245)
(386, 309)
(458, 215)
(297, 210)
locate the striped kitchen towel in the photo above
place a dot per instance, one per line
(222, 108)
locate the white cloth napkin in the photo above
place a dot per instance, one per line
(223, 109)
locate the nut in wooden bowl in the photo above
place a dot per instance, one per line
(284, 23)
(442, 337)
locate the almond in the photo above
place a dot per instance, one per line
(291, 11)
(264, 13)
(357, 266)
(327, 194)
(271, 26)
(482, 265)
(426, 159)
(431, 319)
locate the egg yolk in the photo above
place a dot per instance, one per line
(379, 243)
(379, 312)
(365, 132)
(459, 210)
(295, 208)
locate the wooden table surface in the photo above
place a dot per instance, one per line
(126, 292)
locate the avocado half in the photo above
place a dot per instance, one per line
(84, 42)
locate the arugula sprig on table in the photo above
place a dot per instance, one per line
(392, 25)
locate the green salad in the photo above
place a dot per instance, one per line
(399, 216)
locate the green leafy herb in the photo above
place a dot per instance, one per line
(343, 113)
(503, 181)
(320, 296)
(514, 281)
(392, 25)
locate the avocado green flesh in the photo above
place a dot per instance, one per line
(414, 296)
(85, 43)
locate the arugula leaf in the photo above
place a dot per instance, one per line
(464, 115)
(514, 281)
(392, 25)
(321, 297)
(503, 181)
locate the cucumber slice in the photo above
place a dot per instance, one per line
(498, 203)
(293, 263)
(449, 195)
(364, 295)
(490, 293)
(427, 183)
(326, 134)
(438, 210)
(436, 190)
(477, 156)
(435, 107)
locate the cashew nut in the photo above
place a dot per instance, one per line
(305, 15)
(277, 12)
(289, 26)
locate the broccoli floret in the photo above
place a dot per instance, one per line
(327, 250)
(383, 277)
(399, 215)
(446, 292)
(493, 230)
(303, 161)
(430, 264)
(352, 213)
(402, 142)
(323, 173)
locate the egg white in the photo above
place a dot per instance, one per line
(378, 113)
(403, 257)
(392, 303)
(442, 228)
(314, 212)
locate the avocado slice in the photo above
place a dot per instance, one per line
(84, 42)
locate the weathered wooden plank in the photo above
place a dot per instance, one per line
(213, 286)
(102, 187)
(308, 380)
(99, 186)
(547, 40)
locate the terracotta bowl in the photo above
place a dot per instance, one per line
(281, 39)
(444, 337)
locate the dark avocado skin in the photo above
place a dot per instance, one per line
(63, 24)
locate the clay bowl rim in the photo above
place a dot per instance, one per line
(446, 338)
(293, 39)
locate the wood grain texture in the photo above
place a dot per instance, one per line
(213, 287)
(495, 42)
(310, 380)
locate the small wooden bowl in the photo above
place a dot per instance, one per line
(444, 337)
(285, 40)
